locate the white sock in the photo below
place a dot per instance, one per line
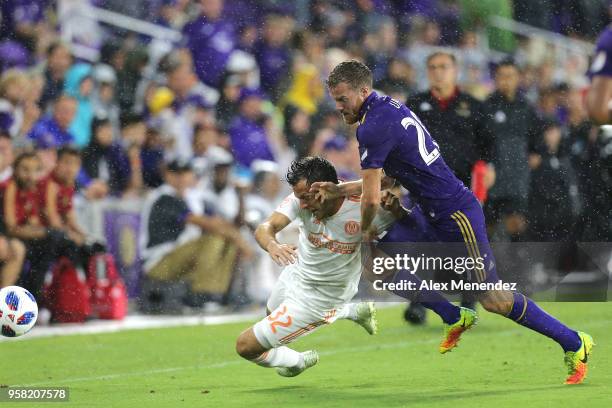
(348, 311)
(280, 357)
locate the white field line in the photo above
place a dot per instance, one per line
(134, 322)
(237, 360)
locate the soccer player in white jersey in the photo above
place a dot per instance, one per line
(320, 277)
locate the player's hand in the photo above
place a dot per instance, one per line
(391, 202)
(282, 254)
(325, 190)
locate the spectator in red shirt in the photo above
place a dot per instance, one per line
(57, 192)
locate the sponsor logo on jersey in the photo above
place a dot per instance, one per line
(320, 241)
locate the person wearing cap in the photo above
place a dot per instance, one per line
(249, 138)
(56, 125)
(179, 243)
(104, 103)
(259, 204)
(264, 196)
(219, 195)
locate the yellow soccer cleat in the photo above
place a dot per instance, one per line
(576, 361)
(452, 332)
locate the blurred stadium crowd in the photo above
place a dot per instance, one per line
(201, 132)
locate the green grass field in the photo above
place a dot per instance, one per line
(498, 364)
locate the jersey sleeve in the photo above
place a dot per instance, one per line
(602, 62)
(289, 207)
(376, 141)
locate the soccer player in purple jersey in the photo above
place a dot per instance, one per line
(600, 72)
(392, 139)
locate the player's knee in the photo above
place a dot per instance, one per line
(242, 346)
(245, 346)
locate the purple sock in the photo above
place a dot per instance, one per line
(431, 299)
(527, 313)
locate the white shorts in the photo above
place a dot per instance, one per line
(289, 319)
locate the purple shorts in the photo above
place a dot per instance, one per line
(466, 225)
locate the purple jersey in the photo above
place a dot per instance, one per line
(393, 138)
(249, 141)
(602, 63)
(210, 43)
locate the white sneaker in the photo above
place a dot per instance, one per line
(309, 358)
(366, 317)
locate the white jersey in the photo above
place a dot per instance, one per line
(329, 251)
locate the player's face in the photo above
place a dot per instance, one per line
(307, 199)
(348, 101)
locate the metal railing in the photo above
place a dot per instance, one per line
(559, 40)
(72, 14)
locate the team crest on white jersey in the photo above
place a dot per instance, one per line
(352, 227)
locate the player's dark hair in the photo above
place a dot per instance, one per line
(354, 73)
(30, 154)
(68, 151)
(311, 169)
(442, 53)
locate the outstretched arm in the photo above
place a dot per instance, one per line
(325, 190)
(265, 234)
